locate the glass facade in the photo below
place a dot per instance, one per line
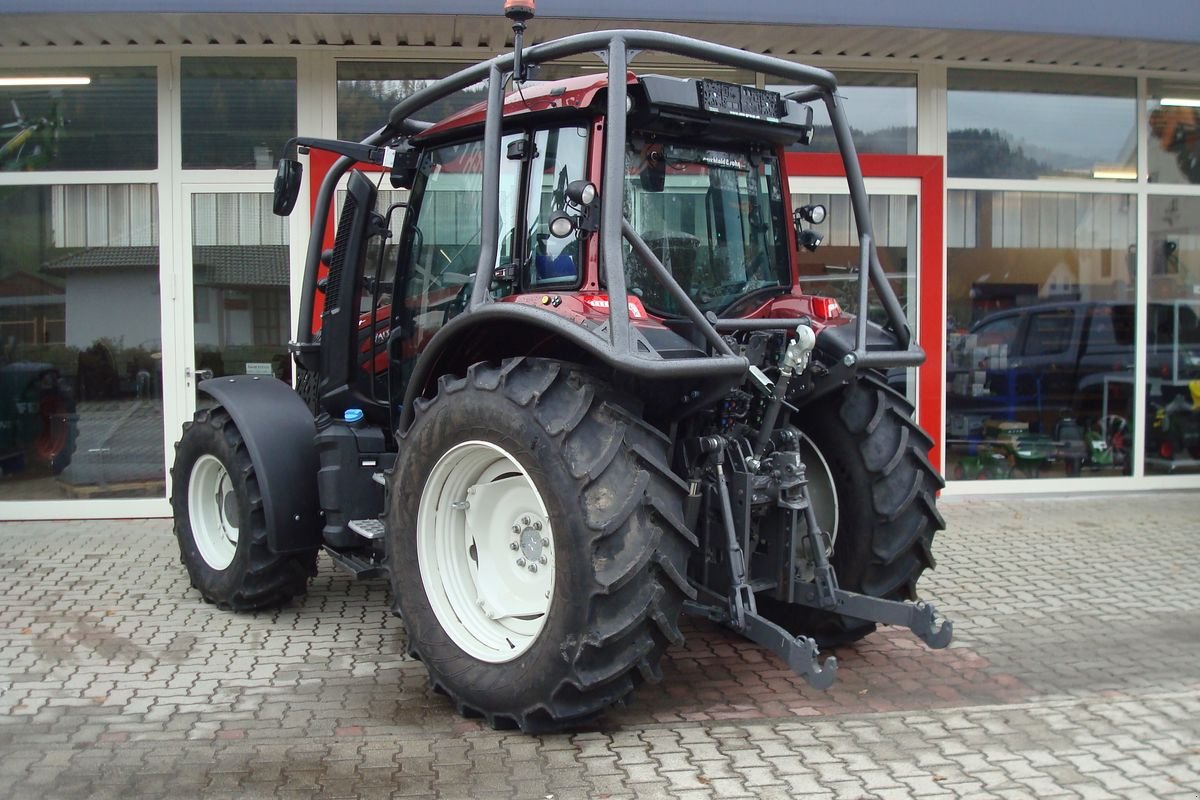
(81, 386)
(1041, 316)
(240, 284)
(367, 90)
(1172, 418)
(1173, 141)
(1040, 125)
(1073, 346)
(86, 118)
(237, 113)
(881, 106)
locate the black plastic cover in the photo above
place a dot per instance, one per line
(279, 433)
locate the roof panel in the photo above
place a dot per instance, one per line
(492, 32)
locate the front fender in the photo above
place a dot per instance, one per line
(279, 432)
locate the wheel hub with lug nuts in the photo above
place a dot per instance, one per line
(487, 564)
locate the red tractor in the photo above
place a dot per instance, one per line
(575, 390)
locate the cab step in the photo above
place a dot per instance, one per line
(362, 564)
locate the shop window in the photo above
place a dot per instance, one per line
(1172, 421)
(881, 107)
(1040, 359)
(237, 113)
(81, 362)
(1035, 125)
(79, 118)
(1173, 113)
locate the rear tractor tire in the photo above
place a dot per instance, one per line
(536, 545)
(874, 490)
(220, 525)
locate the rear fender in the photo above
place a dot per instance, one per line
(279, 432)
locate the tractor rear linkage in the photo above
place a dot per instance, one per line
(740, 612)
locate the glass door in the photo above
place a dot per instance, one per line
(907, 215)
(236, 287)
(832, 269)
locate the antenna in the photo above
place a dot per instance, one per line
(520, 12)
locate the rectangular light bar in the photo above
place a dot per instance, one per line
(50, 80)
(1187, 102)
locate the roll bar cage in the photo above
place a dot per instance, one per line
(616, 48)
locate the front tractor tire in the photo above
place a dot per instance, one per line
(874, 490)
(220, 525)
(536, 545)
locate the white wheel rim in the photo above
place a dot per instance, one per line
(822, 490)
(485, 550)
(213, 512)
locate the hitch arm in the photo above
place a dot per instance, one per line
(800, 653)
(920, 618)
(741, 612)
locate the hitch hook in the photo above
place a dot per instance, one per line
(925, 627)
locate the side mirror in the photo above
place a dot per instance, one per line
(288, 176)
(404, 168)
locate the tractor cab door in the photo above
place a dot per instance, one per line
(442, 234)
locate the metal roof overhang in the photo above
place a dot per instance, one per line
(24, 32)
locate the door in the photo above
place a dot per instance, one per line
(906, 205)
(236, 316)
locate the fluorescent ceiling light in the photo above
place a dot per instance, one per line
(56, 80)
(1115, 173)
(1189, 102)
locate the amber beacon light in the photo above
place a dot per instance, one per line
(520, 12)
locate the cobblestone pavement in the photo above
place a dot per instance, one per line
(1075, 673)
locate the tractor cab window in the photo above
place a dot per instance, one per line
(443, 239)
(714, 217)
(559, 158)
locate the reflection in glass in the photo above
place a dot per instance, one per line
(1173, 337)
(80, 347)
(1040, 334)
(832, 269)
(240, 279)
(881, 107)
(237, 112)
(1033, 125)
(105, 118)
(367, 90)
(1173, 152)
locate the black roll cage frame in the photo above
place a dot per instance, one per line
(616, 48)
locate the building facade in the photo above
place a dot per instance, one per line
(1036, 182)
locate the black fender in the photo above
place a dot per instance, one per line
(280, 435)
(504, 330)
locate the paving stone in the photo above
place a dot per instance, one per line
(118, 681)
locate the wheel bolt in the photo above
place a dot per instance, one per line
(513, 546)
(533, 567)
(545, 542)
(542, 560)
(520, 562)
(516, 528)
(537, 526)
(525, 521)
